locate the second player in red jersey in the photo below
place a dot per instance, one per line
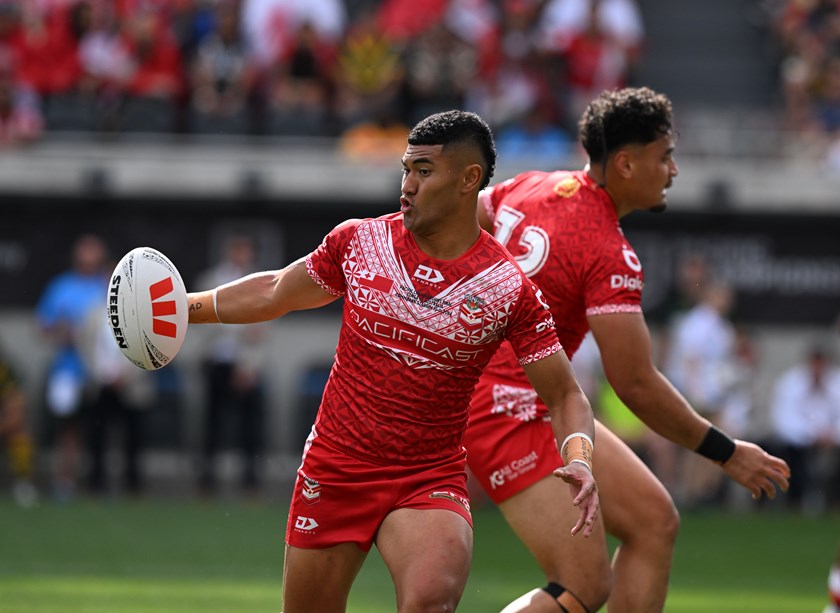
(563, 229)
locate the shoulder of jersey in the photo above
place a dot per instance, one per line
(147, 308)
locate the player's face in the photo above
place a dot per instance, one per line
(654, 172)
(429, 187)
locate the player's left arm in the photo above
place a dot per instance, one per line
(574, 430)
(626, 352)
(259, 297)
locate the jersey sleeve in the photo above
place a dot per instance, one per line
(614, 281)
(324, 264)
(532, 334)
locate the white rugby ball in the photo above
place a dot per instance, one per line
(147, 308)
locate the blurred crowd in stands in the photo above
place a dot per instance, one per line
(357, 69)
(808, 32)
(351, 68)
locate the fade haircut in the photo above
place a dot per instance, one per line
(458, 128)
(623, 117)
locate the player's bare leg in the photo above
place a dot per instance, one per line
(579, 566)
(319, 580)
(639, 512)
(428, 553)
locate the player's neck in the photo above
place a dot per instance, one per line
(449, 242)
(612, 185)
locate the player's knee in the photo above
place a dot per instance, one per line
(442, 597)
(667, 521)
(570, 602)
(661, 521)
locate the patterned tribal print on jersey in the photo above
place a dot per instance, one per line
(416, 333)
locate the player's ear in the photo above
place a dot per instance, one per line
(472, 177)
(623, 163)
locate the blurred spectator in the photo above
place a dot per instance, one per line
(235, 358)
(15, 436)
(107, 67)
(271, 26)
(298, 86)
(700, 363)
(400, 20)
(48, 59)
(808, 33)
(21, 120)
(120, 394)
(155, 84)
(515, 84)
(223, 76)
(691, 276)
(619, 20)
(62, 312)
(599, 42)
(534, 137)
(439, 66)
(368, 77)
(805, 411)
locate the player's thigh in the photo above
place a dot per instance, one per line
(428, 552)
(542, 516)
(633, 501)
(319, 580)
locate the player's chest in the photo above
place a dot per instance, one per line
(400, 292)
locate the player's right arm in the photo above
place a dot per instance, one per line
(259, 297)
(571, 418)
(626, 352)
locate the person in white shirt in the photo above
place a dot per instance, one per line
(805, 412)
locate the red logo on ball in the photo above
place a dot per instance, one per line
(162, 307)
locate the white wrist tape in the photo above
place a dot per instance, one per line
(579, 461)
(577, 447)
(215, 304)
(582, 435)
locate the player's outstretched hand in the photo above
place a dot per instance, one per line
(757, 470)
(584, 494)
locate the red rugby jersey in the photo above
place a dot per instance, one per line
(415, 336)
(563, 231)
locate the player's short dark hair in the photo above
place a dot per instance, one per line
(633, 115)
(457, 128)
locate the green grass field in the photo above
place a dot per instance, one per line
(194, 557)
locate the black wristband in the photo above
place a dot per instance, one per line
(716, 445)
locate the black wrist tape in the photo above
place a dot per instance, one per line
(716, 445)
